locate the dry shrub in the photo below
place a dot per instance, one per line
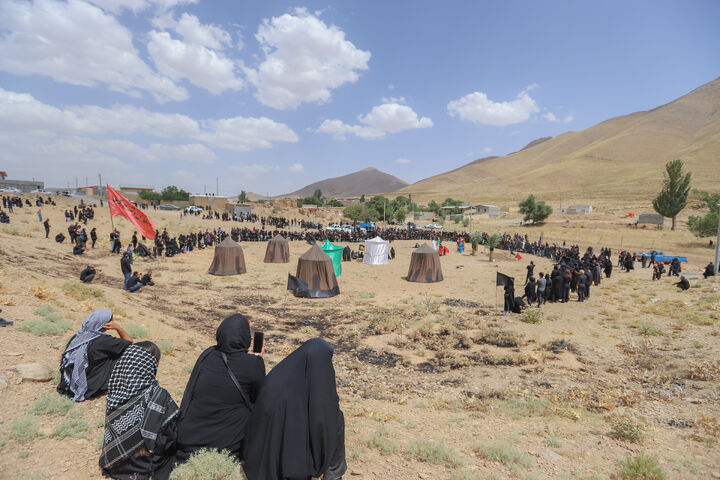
(380, 324)
(704, 371)
(371, 414)
(209, 465)
(498, 337)
(645, 353)
(710, 427)
(43, 292)
(626, 428)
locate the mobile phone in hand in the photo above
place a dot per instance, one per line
(258, 340)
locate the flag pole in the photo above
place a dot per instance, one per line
(111, 219)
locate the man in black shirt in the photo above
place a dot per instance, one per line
(46, 224)
(88, 274)
(126, 268)
(133, 283)
(683, 283)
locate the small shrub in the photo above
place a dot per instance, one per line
(80, 291)
(24, 454)
(648, 329)
(627, 429)
(553, 441)
(165, 346)
(208, 465)
(53, 404)
(49, 324)
(499, 338)
(380, 442)
(642, 467)
(502, 452)
(72, 427)
(386, 324)
(136, 331)
(531, 315)
(435, 452)
(23, 429)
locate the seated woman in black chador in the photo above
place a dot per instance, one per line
(297, 430)
(140, 419)
(215, 409)
(90, 356)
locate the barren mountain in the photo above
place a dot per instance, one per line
(367, 181)
(622, 158)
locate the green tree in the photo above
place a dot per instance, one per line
(145, 195)
(362, 198)
(433, 207)
(242, 198)
(356, 211)
(334, 203)
(534, 210)
(492, 243)
(317, 193)
(400, 215)
(706, 226)
(171, 192)
(674, 194)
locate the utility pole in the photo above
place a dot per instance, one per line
(717, 246)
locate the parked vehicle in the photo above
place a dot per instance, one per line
(10, 190)
(433, 226)
(193, 209)
(167, 206)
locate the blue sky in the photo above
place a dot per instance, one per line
(271, 96)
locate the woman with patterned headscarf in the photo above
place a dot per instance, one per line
(140, 419)
(90, 355)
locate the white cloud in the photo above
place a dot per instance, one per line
(243, 134)
(297, 167)
(207, 35)
(304, 60)
(382, 119)
(487, 150)
(254, 170)
(550, 117)
(476, 107)
(198, 64)
(568, 119)
(77, 43)
(22, 113)
(402, 160)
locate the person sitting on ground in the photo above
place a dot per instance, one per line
(90, 356)
(147, 280)
(140, 419)
(59, 238)
(683, 283)
(221, 392)
(709, 270)
(133, 283)
(297, 430)
(78, 249)
(88, 274)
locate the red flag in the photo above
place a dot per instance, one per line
(122, 207)
(517, 255)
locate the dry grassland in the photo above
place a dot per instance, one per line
(434, 382)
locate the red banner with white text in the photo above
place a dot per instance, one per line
(122, 207)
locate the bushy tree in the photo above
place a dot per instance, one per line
(674, 194)
(242, 198)
(534, 210)
(334, 203)
(492, 243)
(145, 195)
(400, 215)
(173, 193)
(356, 211)
(706, 226)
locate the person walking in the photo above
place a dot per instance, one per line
(46, 224)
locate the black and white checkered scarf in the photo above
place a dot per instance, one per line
(75, 354)
(137, 407)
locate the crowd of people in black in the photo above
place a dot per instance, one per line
(571, 273)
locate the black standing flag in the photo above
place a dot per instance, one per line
(501, 280)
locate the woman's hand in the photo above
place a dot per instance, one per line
(111, 326)
(143, 452)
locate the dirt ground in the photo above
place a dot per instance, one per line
(433, 380)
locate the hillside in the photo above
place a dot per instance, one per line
(367, 181)
(621, 159)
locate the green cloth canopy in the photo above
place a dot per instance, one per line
(335, 253)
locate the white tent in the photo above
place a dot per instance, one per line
(376, 251)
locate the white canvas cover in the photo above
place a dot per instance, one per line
(376, 251)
